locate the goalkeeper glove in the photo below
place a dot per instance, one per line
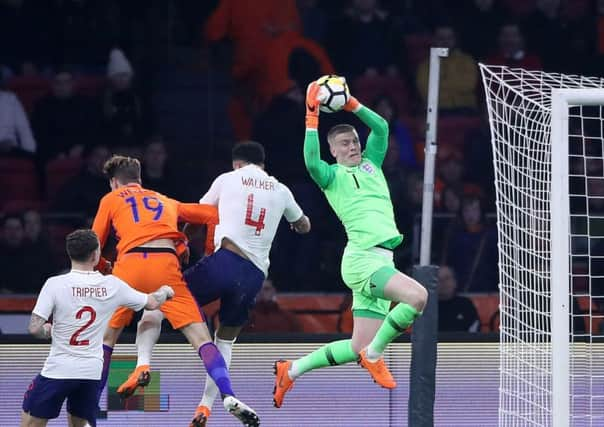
(353, 105)
(312, 106)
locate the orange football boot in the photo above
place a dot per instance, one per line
(202, 413)
(283, 383)
(140, 377)
(378, 370)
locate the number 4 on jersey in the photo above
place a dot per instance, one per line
(259, 223)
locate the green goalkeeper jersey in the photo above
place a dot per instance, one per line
(359, 195)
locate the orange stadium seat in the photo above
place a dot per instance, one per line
(18, 179)
(29, 90)
(58, 171)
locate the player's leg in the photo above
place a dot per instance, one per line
(120, 319)
(28, 420)
(43, 400)
(145, 272)
(412, 297)
(387, 284)
(238, 281)
(73, 421)
(198, 335)
(81, 407)
(148, 330)
(224, 339)
(355, 268)
(367, 320)
(183, 314)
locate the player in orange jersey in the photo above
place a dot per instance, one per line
(146, 224)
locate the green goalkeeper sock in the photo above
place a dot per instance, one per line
(334, 353)
(395, 323)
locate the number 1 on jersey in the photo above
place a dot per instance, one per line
(259, 223)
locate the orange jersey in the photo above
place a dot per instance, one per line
(139, 216)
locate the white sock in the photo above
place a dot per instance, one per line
(293, 371)
(210, 390)
(372, 355)
(147, 334)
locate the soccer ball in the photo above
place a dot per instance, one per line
(333, 93)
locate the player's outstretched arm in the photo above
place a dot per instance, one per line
(318, 169)
(377, 142)
(196, 213)
(160, 296)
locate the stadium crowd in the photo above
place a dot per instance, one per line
(177, 83)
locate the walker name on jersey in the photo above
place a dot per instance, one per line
(261, 184)
(89, 292)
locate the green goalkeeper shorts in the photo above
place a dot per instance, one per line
(366, 272)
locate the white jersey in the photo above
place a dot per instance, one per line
(81, 304)
(250, 206)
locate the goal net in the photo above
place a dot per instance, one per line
(548, 155)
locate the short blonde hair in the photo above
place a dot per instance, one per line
(338, 129)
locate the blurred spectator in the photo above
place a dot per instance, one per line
(277, 124)
(268, 316)
(456, 313)
(63, 121)
(458, 75)
(122, 106)
(156, 172)
(314, 20)
(39, 242)
(478, 159)
(24, 268)
(545, 34)
(252, 27)
(450, 170)
(15, 133)
(472, 249)
(451, 201)
(361, 41)
(478, 23)
(82, 193)
(294, 59)
(399, 132)
(511, 50)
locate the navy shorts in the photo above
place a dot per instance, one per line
(45, 396)
(233, 279)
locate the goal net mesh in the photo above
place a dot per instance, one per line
(519, 108)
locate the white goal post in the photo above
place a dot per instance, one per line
(547, 134)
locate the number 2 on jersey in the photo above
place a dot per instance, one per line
(259, 223)
(74, 338)
(152, 204)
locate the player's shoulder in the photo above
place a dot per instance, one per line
(57, 281)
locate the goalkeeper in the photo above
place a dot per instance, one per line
(357, 191)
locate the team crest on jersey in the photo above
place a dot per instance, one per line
(367, 168)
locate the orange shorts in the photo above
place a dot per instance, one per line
(147, 272)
